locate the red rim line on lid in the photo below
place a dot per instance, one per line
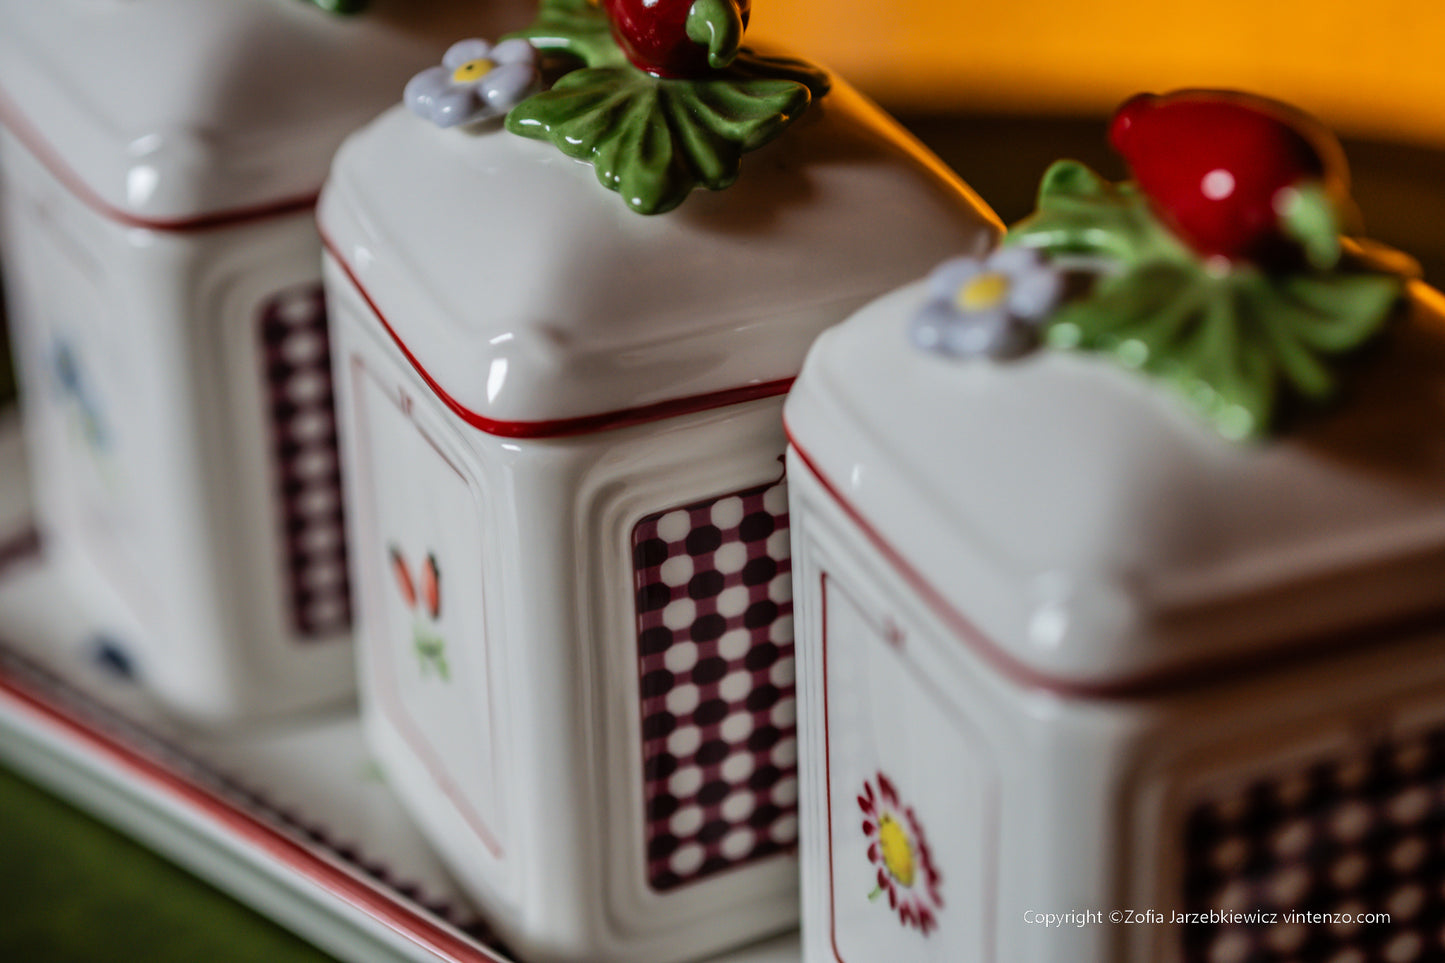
(12, 118)
(562, 427)
(1196, 673)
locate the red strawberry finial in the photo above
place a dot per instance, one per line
(1237, 176)
(678, 38)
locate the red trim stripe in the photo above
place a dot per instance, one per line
(1197, 673)
(828, 769)
(562, 427)
(251, 831)
(49, 158)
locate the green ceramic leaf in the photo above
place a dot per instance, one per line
(1311, 217)
(1231, 341)
(718, 26)
(751, 65)
(576, 28)
(1081, 214)
(654, 140)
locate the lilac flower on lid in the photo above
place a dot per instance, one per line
(990, 307)
(476, 81)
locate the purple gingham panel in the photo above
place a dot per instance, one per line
(296, 355)
(1354, 834)
(715, 653)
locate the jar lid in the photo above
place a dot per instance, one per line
(1084, 531)
(535, 304)
(177, 114)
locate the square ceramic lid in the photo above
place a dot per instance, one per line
(534, 302)
(164, 113)
(1081, 528)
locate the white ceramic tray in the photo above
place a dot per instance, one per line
(294, 820)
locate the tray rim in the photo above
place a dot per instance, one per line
(311, 891)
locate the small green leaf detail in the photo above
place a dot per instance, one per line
(751, 65)
(654, 140)
(576, 28)
(1068, 178)
(718, 26)
(1230, 341)
(1081, 214)
(431, 654)
(1310, 216)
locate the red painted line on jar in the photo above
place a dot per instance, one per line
(1198, 673)
(562, 427)
(48, 157)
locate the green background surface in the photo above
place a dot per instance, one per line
(74, 891)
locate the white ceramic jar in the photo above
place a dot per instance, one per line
(1065, 650)
(563, 447)
(161, 161)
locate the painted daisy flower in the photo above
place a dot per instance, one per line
(897, 847)
(475, 81)
(987, 307)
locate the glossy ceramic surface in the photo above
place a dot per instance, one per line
(187, 126)
(166, 297)
(570, 414)
(1005, 801)
(1067, 649)
(540, 323)
(1045, 507)
(294, 819)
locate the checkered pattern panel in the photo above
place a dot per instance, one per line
(715, 650)
(296, 355)
(1347, 835)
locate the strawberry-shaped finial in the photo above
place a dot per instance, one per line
(1237, 176)
(681, 115)
(678, 38)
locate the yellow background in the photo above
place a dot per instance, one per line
(1374, 69)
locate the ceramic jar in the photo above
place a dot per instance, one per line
(563, 449)
(161, 161)
(1064, 649)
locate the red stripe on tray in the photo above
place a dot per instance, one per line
(249, 830)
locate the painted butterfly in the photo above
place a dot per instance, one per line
(431, 597)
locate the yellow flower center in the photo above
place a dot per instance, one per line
(472, 70)
(897, 849)
(984, 291)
